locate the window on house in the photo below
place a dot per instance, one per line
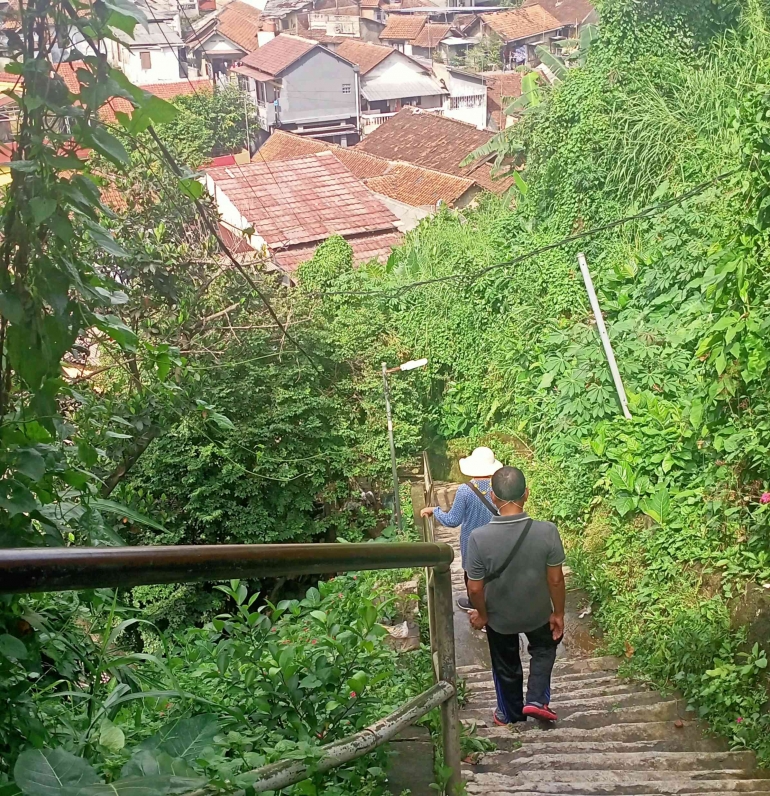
(346, 88)
(145, 59)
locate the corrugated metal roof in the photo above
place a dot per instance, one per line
(416, 86)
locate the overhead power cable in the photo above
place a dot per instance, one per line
(472, 276)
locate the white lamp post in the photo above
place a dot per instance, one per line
(411, 365)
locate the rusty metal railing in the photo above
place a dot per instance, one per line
(59, 569)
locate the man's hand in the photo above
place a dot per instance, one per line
(427, 511)
(476, 620)
(557, 626)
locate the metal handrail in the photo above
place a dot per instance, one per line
(59, 569)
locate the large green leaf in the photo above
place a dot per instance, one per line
(185, 738)
(12, 647)
(622, 477)
(554, 63)
(110, 506)
(154, 763)
(658, 506)
(138, 786)
(50, 772)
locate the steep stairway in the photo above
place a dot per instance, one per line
(613, 736)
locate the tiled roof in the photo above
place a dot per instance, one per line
(519, 23)
(433, 141)
(417, 4)
(418, 187)
(321, 36)
(168, 91)
(367, 56)
(370, 3)
(278, 54)
(404, 182)
(431, 35)
(304, 200)
(499, 86)
(366, 247)
(403, 26)
(568, 12)
(464, 21)
(240, 22)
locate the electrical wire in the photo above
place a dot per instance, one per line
(472, 276)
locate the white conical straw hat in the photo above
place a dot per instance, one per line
(480, 463)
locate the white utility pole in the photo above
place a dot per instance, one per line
(603, 334)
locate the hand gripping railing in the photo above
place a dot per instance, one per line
(60, 569)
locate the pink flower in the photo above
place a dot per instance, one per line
(739, 720)
(340, 595)
(353, 694)
(764, 497)
(314, 641)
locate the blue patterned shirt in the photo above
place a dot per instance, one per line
(467, 511)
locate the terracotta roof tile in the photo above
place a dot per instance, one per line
(322, 37)
(568, 12)
(403, 26)
(366, 247)
(431, 34)
(240, 22)
(417, 4)
(501, 85)
(370, 3)
(278, 54)
(303, 201)
(417, 186)
(365, 55)
(435, 142)
(464, 21)
(518, 23)
(404, 182)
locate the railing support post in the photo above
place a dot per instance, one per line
(447, 671)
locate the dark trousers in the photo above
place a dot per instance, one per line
(509, 676)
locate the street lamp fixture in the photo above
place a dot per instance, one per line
(413, 364)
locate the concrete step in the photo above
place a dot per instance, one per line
(614, 686)
(656, 731)
(663, 736)
(590, 719)
(524, 747)
(559, 675)
(521, 760)
(566, 707)
(616, 783)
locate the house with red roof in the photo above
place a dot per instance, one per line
(219, 40)
(284, 210)
(301, 86)
(523, 30)
(389, 81)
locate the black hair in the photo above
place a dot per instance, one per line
(508, 483)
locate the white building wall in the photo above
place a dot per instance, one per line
(395, 69)
(164, 65)
(231, 217)
(467, 101)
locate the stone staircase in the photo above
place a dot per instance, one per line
(613, 736)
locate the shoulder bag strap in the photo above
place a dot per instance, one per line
(499, 571)
(484, 499)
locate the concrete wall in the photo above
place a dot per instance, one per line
(230, 216)
(311, 90)
(164, 64)
(396, 69)
(370, 30)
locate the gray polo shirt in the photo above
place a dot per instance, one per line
(518, 601)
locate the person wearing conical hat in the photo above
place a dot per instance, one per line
(468, 510)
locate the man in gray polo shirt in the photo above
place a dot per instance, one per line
(525, 595)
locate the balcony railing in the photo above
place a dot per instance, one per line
(471, 101)
(35, 570)
(371, 121)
